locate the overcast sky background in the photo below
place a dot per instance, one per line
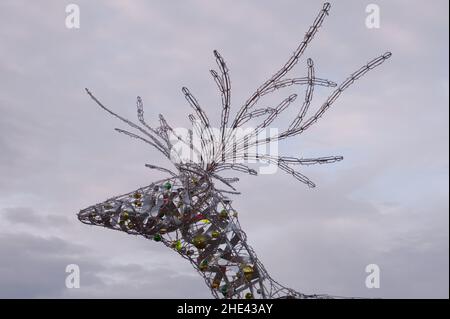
(386, 203)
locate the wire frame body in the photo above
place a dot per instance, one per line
(187, 212)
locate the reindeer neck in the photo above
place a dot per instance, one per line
(212, 240)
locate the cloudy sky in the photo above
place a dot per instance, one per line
(385, 204)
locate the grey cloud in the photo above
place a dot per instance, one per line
(26, 215)
(35, 268)
(22, 215)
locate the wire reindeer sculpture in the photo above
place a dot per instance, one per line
(186, 211)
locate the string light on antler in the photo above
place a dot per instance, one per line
(186, 211)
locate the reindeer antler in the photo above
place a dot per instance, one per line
(222, 152)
